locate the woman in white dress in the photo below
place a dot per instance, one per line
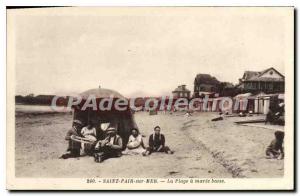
(135, 144)
(88, 132)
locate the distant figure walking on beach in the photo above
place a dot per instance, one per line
(157, 143)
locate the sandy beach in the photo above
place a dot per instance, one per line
(202, 148)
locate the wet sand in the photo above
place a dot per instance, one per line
(203, 149)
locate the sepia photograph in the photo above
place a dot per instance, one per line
(150, 98)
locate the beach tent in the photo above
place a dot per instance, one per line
(123, 121)
(245, 95)
(264, 101)
(245, 102)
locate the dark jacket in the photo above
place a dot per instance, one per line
(73, 131)
(155, 141)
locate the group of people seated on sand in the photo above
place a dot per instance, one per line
(111, 144)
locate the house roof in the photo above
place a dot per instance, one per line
(265, 79)
(249, 74)
(205, 79)
(264, 71)
(243, 95)
(256, 76)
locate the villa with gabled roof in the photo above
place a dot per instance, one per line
(267, 81)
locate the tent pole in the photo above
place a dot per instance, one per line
(88, 116)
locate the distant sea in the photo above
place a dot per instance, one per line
(39, 109)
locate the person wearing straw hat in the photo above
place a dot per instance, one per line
(109, 147)
(73, 149)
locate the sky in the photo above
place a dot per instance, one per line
(142, 52)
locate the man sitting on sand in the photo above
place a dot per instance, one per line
(275, 149)
(135, 143)
(109, 147)
(73, 149)
(157, 143)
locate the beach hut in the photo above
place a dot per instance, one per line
(244, 102)
(260, 105)
(123, 121)
(264, 101)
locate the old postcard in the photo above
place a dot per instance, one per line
(150, 98)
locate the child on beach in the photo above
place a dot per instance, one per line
(275, 149)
